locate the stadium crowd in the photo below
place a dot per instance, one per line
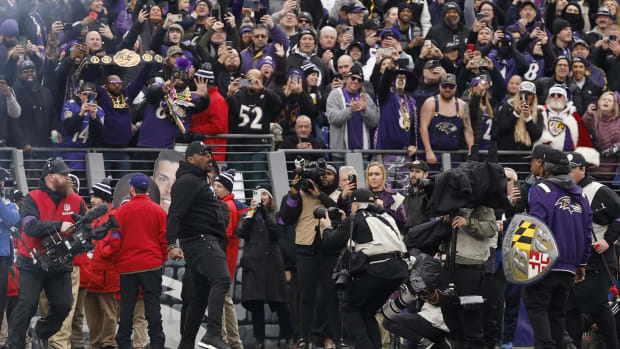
(419, 77)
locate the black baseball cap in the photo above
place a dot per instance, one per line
(363, 195)
(576, 160)
(55, 165)
(196, 147)
(556, 157)
(422, 165)
(539, 152)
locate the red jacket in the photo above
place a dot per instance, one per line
(143, 235)
(232, 240)
(104, 276)
(213, 121)
(48, 211)
(85, 272)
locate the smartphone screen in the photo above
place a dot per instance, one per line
(244, 83)
(228, 43)
(91, 98)
(295, 78)
(427, 43)
(256, 196)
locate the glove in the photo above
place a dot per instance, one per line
(610, 151)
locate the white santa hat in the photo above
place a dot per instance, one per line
(558, 89)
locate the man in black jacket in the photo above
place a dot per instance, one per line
(588, 90)
(451, 29)
(590, 296)
(416, 200)
(195, 217)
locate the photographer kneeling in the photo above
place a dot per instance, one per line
(372, 267)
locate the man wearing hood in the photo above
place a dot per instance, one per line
(561, 76)
(561, 205)
(306, 51)
(451, 28)
(563, 128)
(197, 220)
(590, 296)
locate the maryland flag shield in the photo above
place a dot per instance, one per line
(529, 250)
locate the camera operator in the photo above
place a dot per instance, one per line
(315, 263)
(9, 216)
(45, 210)
(375, 240)
(474, 228)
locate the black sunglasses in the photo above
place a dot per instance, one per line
(355, 78)
(448, 86)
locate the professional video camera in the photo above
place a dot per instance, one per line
(333, 213)
(424, 277)
(313, 170)
(60, 250)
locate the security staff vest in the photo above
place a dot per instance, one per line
(49, 212)
(590, 191)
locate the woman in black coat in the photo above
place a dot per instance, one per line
(263, 266)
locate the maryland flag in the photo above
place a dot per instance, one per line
(529, 250)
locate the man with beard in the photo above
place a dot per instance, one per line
(444, 121)
(587, 89)
(581, 48)
(37, 119)
(44, 211)
(196, 219)
(416, 200)
(398, 127)
(451, 28)
(410, 26)
(563, 128)
(116, 102)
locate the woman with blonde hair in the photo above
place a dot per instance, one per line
(518, 123)
(385, 197)
(605, 123)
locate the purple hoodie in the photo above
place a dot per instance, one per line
(560, 203)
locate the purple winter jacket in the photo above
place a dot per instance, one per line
(560, 203)
(250, 58)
